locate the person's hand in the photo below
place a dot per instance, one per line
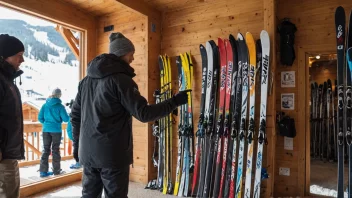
(181, 97)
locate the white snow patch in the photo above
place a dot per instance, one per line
(318, 190)
(43, 38)
(43, 77)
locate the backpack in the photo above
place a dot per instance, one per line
(287, 37)
(285, 125)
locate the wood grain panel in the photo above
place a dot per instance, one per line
(316, 34)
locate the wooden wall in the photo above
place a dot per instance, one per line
(134, 27)
(316, 34)
(184, 29)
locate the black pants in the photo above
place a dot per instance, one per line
(114, 182)
(51, 140)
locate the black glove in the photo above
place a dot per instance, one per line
(181, 97)
(75, 151)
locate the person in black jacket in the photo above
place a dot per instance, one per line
(11, 118)
(101, 119)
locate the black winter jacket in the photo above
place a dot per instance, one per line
(11, 118)
(102, 113)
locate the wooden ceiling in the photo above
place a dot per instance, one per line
(168, 5)
(97, 7)
(105, 7)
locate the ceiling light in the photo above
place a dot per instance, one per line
(317, 57)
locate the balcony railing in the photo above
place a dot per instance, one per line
(33, 142)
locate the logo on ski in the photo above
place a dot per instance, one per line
(223, 77)
(265, 69)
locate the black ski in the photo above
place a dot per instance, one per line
(340, 22)
(210, 144)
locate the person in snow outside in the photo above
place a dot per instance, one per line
(11, 118)
(101, 119)
(51, 115)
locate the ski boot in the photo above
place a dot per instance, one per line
(77, 165)
(46, 174)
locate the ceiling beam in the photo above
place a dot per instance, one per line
(72, 42)
(141, 7)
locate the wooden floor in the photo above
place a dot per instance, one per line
(136, 190)
(74, 190)
(30, 174)
(324, 178)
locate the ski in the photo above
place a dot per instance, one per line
(349, 104)
(169, 126)
(340, 22)
(265, 43)
(244, 108)
(314, 97)
(219, 126)
(161, 178)
(189, 75)
(199, 166)
(210, 143)
(251, 125)
(180, 143)
(229, 62)
(235, 124)
(185, 145)
(328, 101)
(232, 140)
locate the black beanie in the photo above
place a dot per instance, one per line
(10, 46)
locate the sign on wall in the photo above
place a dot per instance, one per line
(287, 101)
(288, 79)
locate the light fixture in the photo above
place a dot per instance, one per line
(317, 57)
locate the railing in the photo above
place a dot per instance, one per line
(33, 142)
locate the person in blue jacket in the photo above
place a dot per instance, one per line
(77, 165)
(51, 115)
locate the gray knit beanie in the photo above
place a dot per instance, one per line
(119, 44)
(56, 93)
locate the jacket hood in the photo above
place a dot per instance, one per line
(108, 64)
(8, 71)
(53, 101)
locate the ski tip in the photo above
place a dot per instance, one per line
(248, 34)
(249, 38)
(220, 41)
(265, 40)
(329, 81)
(339, 9)
(264, 33)
(231, 37)
(340, 14)
(239, 36)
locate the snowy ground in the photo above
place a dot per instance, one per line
(30, 174)
(323, 178)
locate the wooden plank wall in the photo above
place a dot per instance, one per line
(184, 29)
(316, 33)
(133, 26)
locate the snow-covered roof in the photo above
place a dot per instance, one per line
(34, 103)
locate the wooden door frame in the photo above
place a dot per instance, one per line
(304, 111)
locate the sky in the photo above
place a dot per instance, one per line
(11, 14)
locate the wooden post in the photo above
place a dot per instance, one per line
(270, 27)
(32, 144)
